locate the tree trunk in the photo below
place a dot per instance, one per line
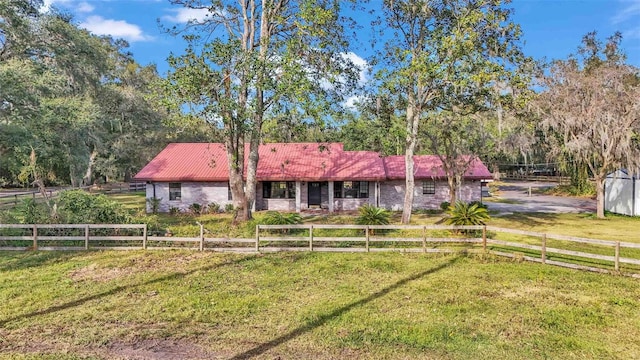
(234, 145)
(600, 196)
(452, 189)
(88, 175)
(412, 135)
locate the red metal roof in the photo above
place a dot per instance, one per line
(187, 162)
(430, 166)
(317, 162)
(290, 161)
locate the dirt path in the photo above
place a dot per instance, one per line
(514, 197)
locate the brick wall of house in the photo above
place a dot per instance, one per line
(275, 204)
(392, 194)
(279, 204)
(202, 193)
(354, 204)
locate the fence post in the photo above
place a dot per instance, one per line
(310, 237)
(484, 238)
(86, 237)
(543, 253)
(366, 238)
(144, 237)
(201, 237)
(16, 202)
(424, 239)
(257, 238)
(35, 237)
(617, 263)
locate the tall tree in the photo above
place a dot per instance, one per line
(16, 32)
(71, 100)
(374, 126)
(445, 55)
(590, 104)
(265, 55)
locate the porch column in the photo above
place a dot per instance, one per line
(330, 196)
(376, 194)
(298, 195)
(255, 199)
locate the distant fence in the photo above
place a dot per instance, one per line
(10, 199)
(545, 178)
(137, 186)
(603, 256)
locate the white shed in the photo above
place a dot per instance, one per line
(622, 193)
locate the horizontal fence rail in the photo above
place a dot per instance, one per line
(604, 256)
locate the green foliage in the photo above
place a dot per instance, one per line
(154, 225)
(213, 208)
(154, 203)
(371, 215)
(588, 189)
(174, 210)
(80, 207)
(79, 100)
(30, 212)
(278, 218)
(228, 208)
(196, 208)
(467, 214)
(445, 205)
(478, 204)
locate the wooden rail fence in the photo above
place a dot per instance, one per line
(573, 252)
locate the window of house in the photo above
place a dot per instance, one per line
(351, 189)
(175, 191)
(429, 187)
(279, 190)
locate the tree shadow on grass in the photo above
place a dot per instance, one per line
(20, 260)
(322, 319)
(117, 289)
(531, 220)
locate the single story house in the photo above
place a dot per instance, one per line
(301, 176)
(622, 193)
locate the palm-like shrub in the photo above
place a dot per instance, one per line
(277, 218)
(467, 214)
(196, 209)
(371, 215)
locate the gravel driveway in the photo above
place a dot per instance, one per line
(518, 193)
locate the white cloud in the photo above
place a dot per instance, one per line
(184, 15)
(48, 4)
(85, 7)
(630, 11)
(352, 101)
(627, 19)
(116, 28)
(361, 64)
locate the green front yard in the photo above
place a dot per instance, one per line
(309, 305)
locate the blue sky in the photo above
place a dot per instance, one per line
(552, 28)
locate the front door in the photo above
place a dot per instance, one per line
(314, 194)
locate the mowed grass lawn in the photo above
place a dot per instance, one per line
(192, 305)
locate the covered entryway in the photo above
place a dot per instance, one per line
(315, 194)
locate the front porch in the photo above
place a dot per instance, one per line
(330, 196)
